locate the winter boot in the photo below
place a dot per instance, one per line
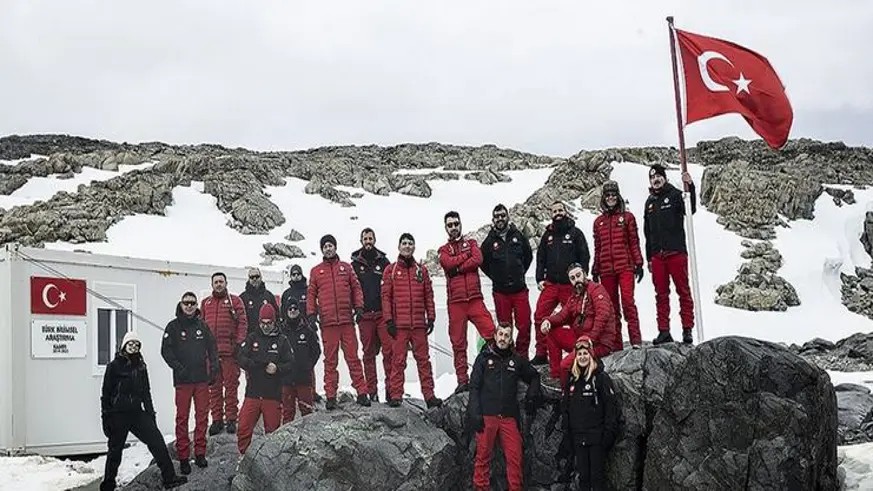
(331, 404)
(636, 346)
(216, 427)
(394, 402)
(317, 397)
(364, 400)
(663, 337)
(539, 360)
(185, 467)
(374, 397)
(107, 486)
(687, 337)
(434, 402)
(200, 461)
(175, 482)
(231, 427)
(462, 388)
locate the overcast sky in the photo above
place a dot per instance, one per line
(551, 76)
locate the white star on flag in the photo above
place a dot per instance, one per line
(742, 84)
(63, 297)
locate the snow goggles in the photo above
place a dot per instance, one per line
(584, 342)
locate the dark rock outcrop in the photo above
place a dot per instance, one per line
(855, 413)
(852, 354)
(222, 455)
(867, 233)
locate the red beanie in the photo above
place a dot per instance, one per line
(268, 313)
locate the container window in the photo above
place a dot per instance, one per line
(104, 336)
(121, 326)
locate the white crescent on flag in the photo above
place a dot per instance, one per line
(45, 292)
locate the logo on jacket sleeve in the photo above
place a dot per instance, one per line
(302, 336)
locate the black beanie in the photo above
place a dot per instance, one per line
(327, 238)
(658, 169)
(406, 235)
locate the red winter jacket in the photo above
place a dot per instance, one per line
(595, 311)
(616, 243)
(407, 295)
(333, 293)
(226, 318)
(460, 260)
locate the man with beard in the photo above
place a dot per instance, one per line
(408, 308)
(369, 264)
(506, 257)
(335, 294)
(492, 410)
(617, 259)
(588, 312)
(190, 351)
(254, 297)
(225, 315)
(561, 244)
(666, 252)
(460, 258)
(297, 288)
(297, 384)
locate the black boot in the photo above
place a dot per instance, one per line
(216, 427)
(185, 467)
(539, 360)
(231, 427)
(462, 388)
(663, 337)
(374, 397)
(687, 337)
(200, 461)
(331, 404)
(364, 400)
(434, 402)
(394, 402)
(175, 482)
(317, 397)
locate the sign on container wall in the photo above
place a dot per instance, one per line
(58, 338)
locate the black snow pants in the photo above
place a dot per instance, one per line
(146, 430)
(591, 467)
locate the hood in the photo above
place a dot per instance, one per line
(358, 256)
(181, 315)
(620, 206)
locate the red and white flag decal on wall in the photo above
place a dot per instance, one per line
(58, 296)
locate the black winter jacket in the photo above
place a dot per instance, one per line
(506, 259)
(253, 299)
(296, 290)
(189, 349)
(663, 220)
(369, 271)
(126, 386)
(255, 353)
(590, 410)
(494, 383)
(561, 245)
(307, 350)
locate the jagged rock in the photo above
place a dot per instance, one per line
(867, 233)
(738, 415)
(855, 414)
(488, 177)
(222, 455)
(317, 186)
(757, 287)
(852, 354)
(412, 185)
(10, 182)
(841, 196)
(857, 291)
(283, 250)
(376, 448)
(294, 236)
(255, 214)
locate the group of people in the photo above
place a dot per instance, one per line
(275, 340)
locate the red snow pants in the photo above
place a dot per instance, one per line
(223, 397)
(667, 266)
(334, 337)
(185, 393)
(294, 396)
(421, 354)
(476, 312)
(510, 441)
(252, 410)
(507, 304)
(620, 288)
(553, 294)
(559, 340)
(374, 336)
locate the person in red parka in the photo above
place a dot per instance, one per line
(588, 312)
(409, 314)
(225, 315)
(334, 294)
(618, 259)
(460, 258)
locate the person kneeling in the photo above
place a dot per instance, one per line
(493, 407)
(265, 355)
(590, 418)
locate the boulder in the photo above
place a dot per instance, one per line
(757, 287)
(222, 455)
(255, 214)
(744, 414)
(867, 233)
(855, 414)
(856, 291)
(841, 196)
(488, 177)
(283, 250)
(852, 354)
(294, 236)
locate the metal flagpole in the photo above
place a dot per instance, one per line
(689, 219)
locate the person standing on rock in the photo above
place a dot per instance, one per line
(666, 251)
(561, 244)
(409, 312)
(297, 384)
(618, 259)
(460, 259)
(590, 417)
(225, 315)
(492, 410)
(369, 264)
(335, 294)
(297, 288)
(190, 351)
(506, 257)
(126, 407)
(255, 296)
(588, 312)
(266, 356)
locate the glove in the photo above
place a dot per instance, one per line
(595, 277)
(391, 328)
(639, 273)
(530, 405)
(477, 424)
(359, 314)
(107, 426)
(313, 323)
(429, 327)
(452, 272)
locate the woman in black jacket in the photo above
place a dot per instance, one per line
(126, 407)
(590, 417)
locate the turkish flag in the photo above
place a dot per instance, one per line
(58, 296)
(723, 77)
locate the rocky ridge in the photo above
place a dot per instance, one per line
(757, 287)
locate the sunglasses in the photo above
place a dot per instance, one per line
(297, 273)
(189, 303)
(499, 215)
(254, 277)
(453, 224)
(134, 344)
(611, 195)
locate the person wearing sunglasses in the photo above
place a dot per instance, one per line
(618, 259)
(297, 288)
(189, 349)
(256, 295)
(297, 385)
(126, 407)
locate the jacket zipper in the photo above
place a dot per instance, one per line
(335, 298)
